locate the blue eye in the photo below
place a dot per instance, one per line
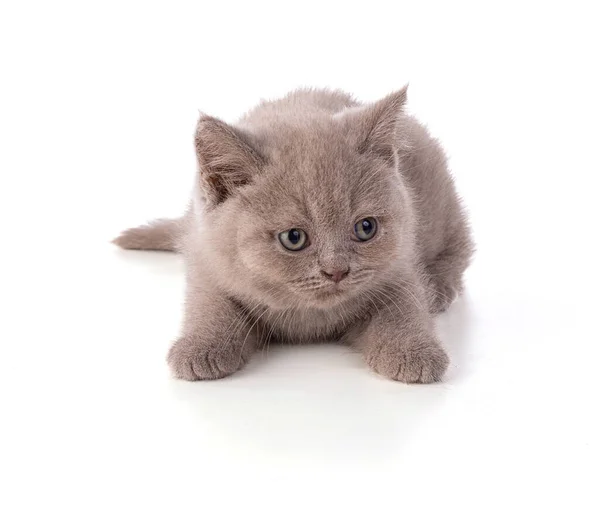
(365, 229)
(293, 239)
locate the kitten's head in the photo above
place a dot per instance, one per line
(306, 213)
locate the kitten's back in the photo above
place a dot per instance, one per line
(297, 105)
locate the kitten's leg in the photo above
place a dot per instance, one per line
(400, 341)
(444, 274)
(217, 339)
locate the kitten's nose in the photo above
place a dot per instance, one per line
(336, 275)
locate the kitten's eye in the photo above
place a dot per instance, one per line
(294, 239)
(365, 229)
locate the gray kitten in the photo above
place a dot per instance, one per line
(316, 218)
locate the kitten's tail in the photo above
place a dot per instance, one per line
(162, 235)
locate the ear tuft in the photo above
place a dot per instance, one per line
(226, 158)
(380, 122)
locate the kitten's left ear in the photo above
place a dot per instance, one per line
(377, 125)
(227, 158)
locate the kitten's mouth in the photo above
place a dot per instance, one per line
(326, 294)
(331, 293)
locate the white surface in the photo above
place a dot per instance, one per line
(98, 108)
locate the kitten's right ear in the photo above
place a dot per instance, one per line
(376, 127)
(226, 158)
(381, 121)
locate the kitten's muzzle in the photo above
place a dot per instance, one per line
(336, 275)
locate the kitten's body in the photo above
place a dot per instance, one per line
(320, 161)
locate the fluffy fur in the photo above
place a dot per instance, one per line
(320, 161)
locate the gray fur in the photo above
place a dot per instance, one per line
(320, 161)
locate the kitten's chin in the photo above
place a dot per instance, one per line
(322, 301)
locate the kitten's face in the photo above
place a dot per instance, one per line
(318, 226)
(319, 216)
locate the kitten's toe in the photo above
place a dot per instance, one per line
(413, 363)
(193, 361)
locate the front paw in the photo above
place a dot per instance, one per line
(422, 361)
(192, 359)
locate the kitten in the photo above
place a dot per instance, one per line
(316, 218)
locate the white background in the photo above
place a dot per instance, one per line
(98, 105)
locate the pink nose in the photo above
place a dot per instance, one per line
(337, 275)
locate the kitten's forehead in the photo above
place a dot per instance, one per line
(316, 173)
(314, 145)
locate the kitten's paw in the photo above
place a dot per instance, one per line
(195, 360)
(442, 295)
(441, 298)
(409, 362)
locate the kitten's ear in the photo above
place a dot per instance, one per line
(226, 158)
(379, 124)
